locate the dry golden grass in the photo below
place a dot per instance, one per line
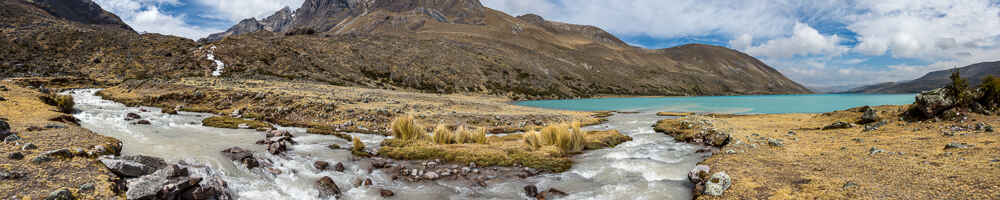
(824, 164)
(406, 128)
(442, 135)
(24, 109)
(358, 147)
(472, 145)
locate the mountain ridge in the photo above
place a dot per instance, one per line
(975, 73)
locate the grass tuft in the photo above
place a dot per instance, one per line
(406, 128)
(62, 102)
(358, 148)
(442, 135)
(233, 123)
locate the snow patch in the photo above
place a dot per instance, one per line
(218, 63)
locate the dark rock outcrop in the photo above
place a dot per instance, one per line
(133, 166)
(180, 181)
(242, 156)
(82, 11)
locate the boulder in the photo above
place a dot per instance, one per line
(929, 104)
(327, 188)
(321, 165)
(869, 116)
(143, 122)
(179, 181)
(15, 156)
(242, 156)
(531, 191)
(386, 193)
(717, 184)
(132, 116)
(133, 166)
(339, 167)
(699, 173)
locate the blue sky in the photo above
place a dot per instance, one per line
(817, 43)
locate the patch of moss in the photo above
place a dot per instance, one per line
(231, 122)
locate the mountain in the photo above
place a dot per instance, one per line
(937, 79)
(78, 38)
(461, 46)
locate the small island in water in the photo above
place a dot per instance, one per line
(456, 99)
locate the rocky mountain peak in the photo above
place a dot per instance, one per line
(82, 11)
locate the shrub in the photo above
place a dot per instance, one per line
(991, 91)
(62, 102)
(442, 135)
(406, 128)
(957, 89)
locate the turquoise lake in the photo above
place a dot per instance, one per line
(754, 104)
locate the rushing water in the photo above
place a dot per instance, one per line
(652, 166)
(766, 104)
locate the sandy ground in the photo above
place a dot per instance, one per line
(22, 110)
(910, 160)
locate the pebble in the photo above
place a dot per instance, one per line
(955, 145)
(874, 151)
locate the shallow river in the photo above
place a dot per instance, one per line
(652, 166)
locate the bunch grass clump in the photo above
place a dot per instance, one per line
(442, 135)
(64, 103)
(406, 128)
(568, 138)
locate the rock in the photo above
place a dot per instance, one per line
(87, 187)
(133, 166)
(2, 99)
(5, 175)
(143, 122)
(60, 194)
(327, 188)
(849, 184)
(242, 156)
(775, 142)
(869, 116)
(54, 126)
(730, 151)
(339, 167)
(431, 175)
(699, 173)
(40, 159)
(321, 165)
(16, 156)
(955, 145)
(4, 128)
(58, 153)
(531, 191)
(717, 184)
(386, 193)
(838, 125)
(930, 104)
(11, 138)
(368, 181)
(988, 129)
(179, 181)
(874, 151)
(556, 192)
(132, 116)
(29, 146)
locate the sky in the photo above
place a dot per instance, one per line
(818, 43)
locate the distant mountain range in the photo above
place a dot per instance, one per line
(442, 46)
(933, 80)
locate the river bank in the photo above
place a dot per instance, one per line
(47, 153)
(808, 156)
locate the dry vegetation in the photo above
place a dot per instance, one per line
(335, 108)
(29, 118)
(232, 122)
(900, 160)
(465, 145)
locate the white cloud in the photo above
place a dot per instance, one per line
(234, 11)
(145, 16)
(804, 41)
